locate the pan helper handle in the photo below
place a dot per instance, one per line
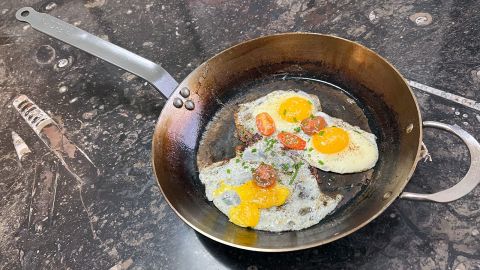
(100, 48)
(471, 179)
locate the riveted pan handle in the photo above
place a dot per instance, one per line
(471, 179)
(100, 48)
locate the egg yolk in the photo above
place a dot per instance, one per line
(330, 140)
(252, 199)
(295, 109)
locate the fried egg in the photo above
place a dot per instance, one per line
(294, 203)
(286, 109)
(341, 147)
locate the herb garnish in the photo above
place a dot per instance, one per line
(270, 143)
(320, 162)
(254, 150)
(297, 129)
(296, 166)
(321, 133)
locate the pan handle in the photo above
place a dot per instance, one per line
(471, 179)
(100, 48)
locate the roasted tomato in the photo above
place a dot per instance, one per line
(265, 175)
(265, 124)
(291, 141)
(313, 125)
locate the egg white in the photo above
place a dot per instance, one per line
(306, 204)
(360, 155)
(270, 104)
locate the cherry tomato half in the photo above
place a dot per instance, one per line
(265, 124)
(313, 125)
(291, 141)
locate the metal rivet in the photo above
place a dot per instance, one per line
(409, 128)
(387, 195)
(177, 102)
(189, 105)
(185, 92)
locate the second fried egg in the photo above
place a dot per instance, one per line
(341, 147)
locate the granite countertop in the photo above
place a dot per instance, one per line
(121, 221)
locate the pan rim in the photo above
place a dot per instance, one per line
(388, 202)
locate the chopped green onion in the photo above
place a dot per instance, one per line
(254, 150)
(228, 171)
(297, 129)
(237, 160)
(321, 133)
(270, 143)
(320, 162)
(310, 149)
(296, 166)
(285, 166)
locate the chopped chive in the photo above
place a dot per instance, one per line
(254, 150)
(237, 160)
(357, 131)
(228, 171)
(321, 133)
(310, 102)
(320, 162)
(296, 166)
(311, 116)
(310, 149)
(297, 129)
(270, 143)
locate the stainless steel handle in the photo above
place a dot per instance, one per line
(100, 48)
(471, 179)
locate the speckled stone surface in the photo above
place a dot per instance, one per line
(120, 220)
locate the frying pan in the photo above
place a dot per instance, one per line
(344, 74)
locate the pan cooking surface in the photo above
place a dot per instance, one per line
(218, 141)
(382, 103)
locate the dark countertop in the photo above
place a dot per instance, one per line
(121, 220)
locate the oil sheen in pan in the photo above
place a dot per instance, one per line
(219, 141)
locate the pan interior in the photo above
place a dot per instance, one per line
(337, 71)
(219, 137)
